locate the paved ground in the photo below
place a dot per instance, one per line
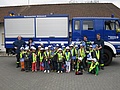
(12, 78)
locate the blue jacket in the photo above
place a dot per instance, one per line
(100, 43)
(19, 44)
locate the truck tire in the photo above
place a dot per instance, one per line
(10, 51)
(107, 57)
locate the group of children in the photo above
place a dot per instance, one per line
(60, 59)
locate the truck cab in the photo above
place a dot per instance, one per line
(109, 29)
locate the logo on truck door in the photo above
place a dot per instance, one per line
(113, 37)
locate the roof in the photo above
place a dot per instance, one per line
(73, 9)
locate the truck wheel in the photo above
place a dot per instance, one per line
(107, 57)
(10, 51)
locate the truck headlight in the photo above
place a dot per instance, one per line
(118, 30)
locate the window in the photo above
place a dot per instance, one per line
(117, 25)
(87, 25)
(77, 25)
(110, 25)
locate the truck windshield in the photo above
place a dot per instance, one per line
(110, 25)
(117, 25)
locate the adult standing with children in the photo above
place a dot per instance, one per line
(17, 45)
(100, 43)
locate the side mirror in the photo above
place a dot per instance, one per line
(118, 30)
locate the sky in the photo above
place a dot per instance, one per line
(30, 2)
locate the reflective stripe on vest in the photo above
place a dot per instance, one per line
(34, 57)
(38, 53)
(21, 54)
(101, 64)
(97, 54)
(92, 66)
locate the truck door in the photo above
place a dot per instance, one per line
(112, 33)
(109, 30)
(88, 29)
(117, 23)
(117, 26)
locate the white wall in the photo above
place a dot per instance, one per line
(2, 49)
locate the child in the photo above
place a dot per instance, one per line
(30, 59)
(97, 55)
(64, 50)
(74, 54)
(79, 69)
(92, 61)
(46, 60)
(26, 58)
(90, 55)
(22, 59)
(81, 53)
(38, 58)
(52, 59)
(67, 59)
(41, 57)
(94, 66)
(34, 59)
(76, 50)
(60, 60)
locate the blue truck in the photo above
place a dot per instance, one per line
(52, 29)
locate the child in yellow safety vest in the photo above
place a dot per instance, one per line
(74, 55)
(79, 68)
(76, 49)
(22, 59)
(41, 58)
(97, 53)
(60, 60)
(67, 59)
(93, 65)
(26, 57)
(54, 58)
(38, 58)
(81, 53)
(47, 60)
(34, 59)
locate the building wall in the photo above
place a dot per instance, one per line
(2, 48)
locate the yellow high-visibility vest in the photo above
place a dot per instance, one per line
(41, 57)
(60, 56)
(21, 54)
(82, 52)
(47, 55)
(97, 52)
(67, 55)
(34, 57)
